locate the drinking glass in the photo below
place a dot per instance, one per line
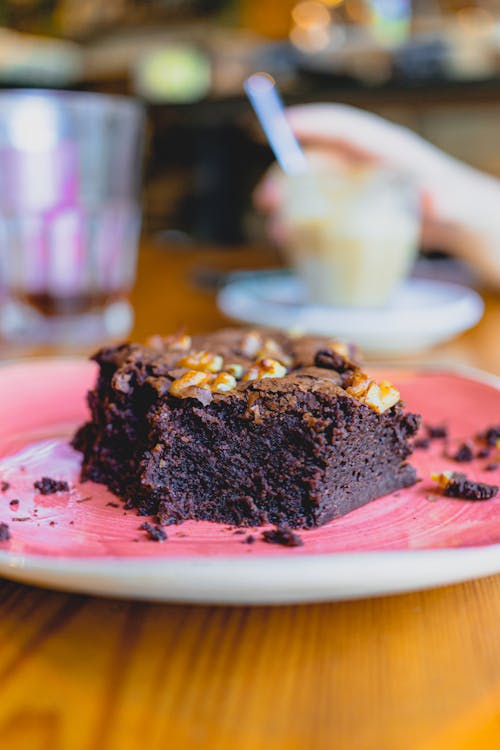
(69, 215)
(351, 234)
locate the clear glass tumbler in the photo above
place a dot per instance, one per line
(70, 167)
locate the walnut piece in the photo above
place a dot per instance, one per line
(223, 383)
(203, 361)
(378, 396)
(190, 379)
(443, 479)
(271, 349)
(251, 343)
(234, 369)
(339, 347)
(349, 351)
(265, 368)
(180, 342)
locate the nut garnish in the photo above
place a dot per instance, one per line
(203, 361)
(190, 379)
(265, 368)
(271, 348)
(251, 343)
(442, 479)
(234, 369)
(339, 347)
(223, 383)
(359, 384)
(379, 397)
(176, 343)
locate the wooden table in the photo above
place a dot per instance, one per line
(413, 672)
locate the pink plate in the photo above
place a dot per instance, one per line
(84, 540)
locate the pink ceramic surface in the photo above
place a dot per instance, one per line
(41, 403)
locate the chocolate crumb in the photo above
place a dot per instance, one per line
(463, 454)
(4, 532)
(71, 523)
(422, 443)
(20, 519)
(491, 435)
(84, 499)
(155, 533)
(492, 467)
(52, 523)
(436, 432)
(461, 487)
(4, 486)
(250, 539)
(49, 486)
(282, 535)
(14, 503)
(171, 521)
(113, 505)
(239, 531)
(483, 453)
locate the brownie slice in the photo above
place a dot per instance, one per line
(244, 427)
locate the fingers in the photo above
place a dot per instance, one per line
(363, 135)
(268, 194)
(334, 126)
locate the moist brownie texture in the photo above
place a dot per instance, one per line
(243, 427)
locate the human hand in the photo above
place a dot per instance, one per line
(460, 205)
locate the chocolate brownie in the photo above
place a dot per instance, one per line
(49, 486)
(4, 532)
(282, 535)
(457, 485)
(244, 427)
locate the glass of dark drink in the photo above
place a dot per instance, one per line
(69, 216)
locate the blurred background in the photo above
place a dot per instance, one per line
(433, 65)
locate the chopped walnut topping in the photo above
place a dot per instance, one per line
(339, 347)
(358, 384)
(442, 479)
(223, 383)
(271, 348)
(265, 368)
(251, 343)
(203, 361)
(234, 369)
(176, 343)
(347, 350)
(379, 397)
(190, 379)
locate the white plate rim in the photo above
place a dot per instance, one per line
(463, 312)
(266, 579)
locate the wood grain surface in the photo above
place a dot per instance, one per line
(413, 672)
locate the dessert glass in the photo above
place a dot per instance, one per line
(350, 234)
